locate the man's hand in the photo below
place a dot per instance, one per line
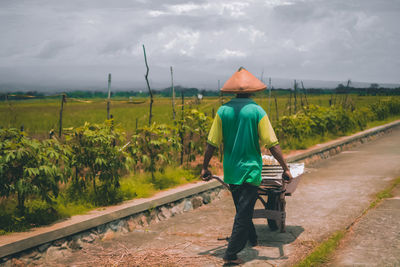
(287, 176)
(205, 175)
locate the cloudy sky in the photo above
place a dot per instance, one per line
(77, 43)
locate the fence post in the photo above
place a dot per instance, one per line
(295, 97)
(181, 133)
(276, 109)
(109, 96)
(269, 96)
(173, 94)
(63, 100)
(305, 92)
(148, 86)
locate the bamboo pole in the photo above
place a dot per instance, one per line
(148, 86)
(173, 94)
(305, 92)
(221, 96)
(269, 97)
(295, 96)
(276, 109)
(181, 133)
(109, 96)
(347, 94)
(63, 100)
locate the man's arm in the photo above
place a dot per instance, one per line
(205, 173)
(277, 153)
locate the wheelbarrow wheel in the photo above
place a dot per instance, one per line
(275, 203)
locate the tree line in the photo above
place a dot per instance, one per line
(373, 90)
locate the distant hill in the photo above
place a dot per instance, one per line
(282, 83)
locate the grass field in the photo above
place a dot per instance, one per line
(40, 116)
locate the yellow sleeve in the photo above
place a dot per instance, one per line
(266, 133)
(215, 135)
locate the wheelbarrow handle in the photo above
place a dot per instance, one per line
(221, 181)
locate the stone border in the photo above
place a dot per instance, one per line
(17, 242)
(136, 214)
(137, 222)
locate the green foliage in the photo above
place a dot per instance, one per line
(94, 156)
(316, 122)
(153, 147)
(31, 168)
(37, 212)
(194, 130)
(142, 185)
(98, 158)
(385, 108)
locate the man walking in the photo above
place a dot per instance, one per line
(241, 125)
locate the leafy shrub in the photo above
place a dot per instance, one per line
(194, 130)
(316, 122)
(380, 110)
(98, 158)
(386, 108)
(31, 168)
(153, 148)
(37, 212)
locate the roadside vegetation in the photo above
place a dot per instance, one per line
(97, 164)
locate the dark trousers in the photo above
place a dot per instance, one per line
(244, 197)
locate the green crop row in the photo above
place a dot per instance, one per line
(90, 161)
(315, 121)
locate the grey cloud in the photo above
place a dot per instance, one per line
(51, 49)
(204, 40)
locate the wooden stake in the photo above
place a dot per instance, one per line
(347, 94)
(305, 92)
(221, 100)
(109, 96)
(269, 97)
(295, 96)
(63, 100)
(276, 109)
(173, 94)
(148, 86)
(181, 133)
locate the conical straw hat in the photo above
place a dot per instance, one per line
(243, 82)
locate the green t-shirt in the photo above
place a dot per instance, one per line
(241, 124)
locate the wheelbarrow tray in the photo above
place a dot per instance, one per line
(272, 177)
(273, 187)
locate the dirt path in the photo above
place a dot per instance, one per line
(330, 196)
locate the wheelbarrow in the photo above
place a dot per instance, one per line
(272, 192)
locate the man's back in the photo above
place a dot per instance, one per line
(238, 123)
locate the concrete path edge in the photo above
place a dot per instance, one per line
(18, 242)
